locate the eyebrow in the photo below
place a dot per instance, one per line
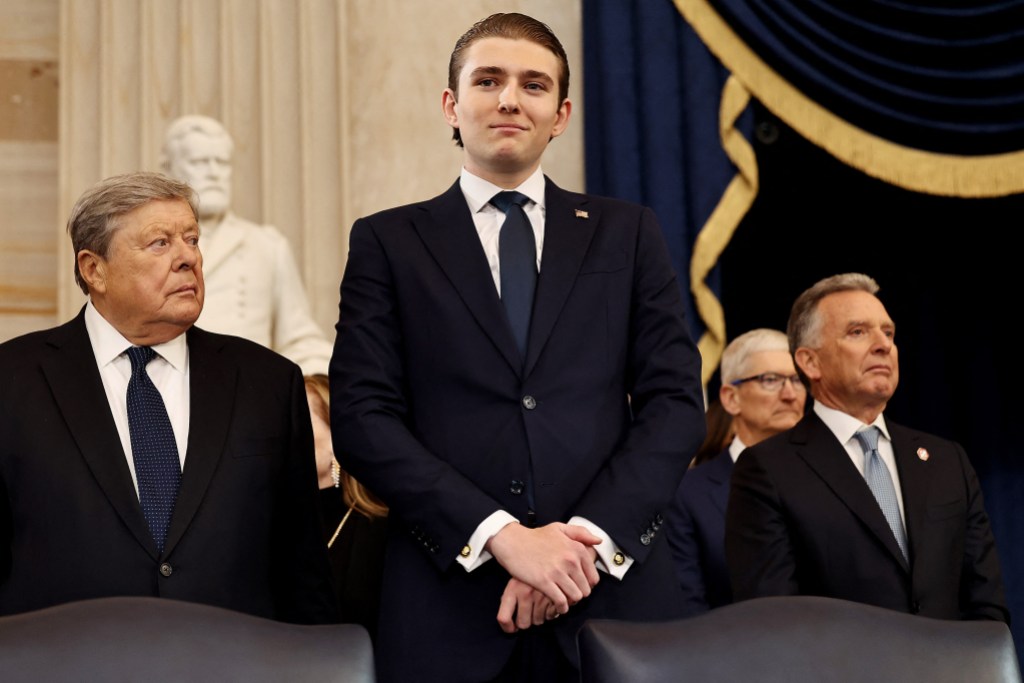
(530, 74)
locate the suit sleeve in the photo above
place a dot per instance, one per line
(630, 494)
(981, 583)
(758, 549)
(370, 412)
(681, 533)
(301, 572)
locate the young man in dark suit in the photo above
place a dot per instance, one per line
(142, 456)
(848, 504)
(517, 384)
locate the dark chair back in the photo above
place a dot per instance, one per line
(152, 640)
(797, 639)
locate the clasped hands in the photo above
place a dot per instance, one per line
(552, 569)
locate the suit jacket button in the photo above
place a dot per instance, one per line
(915, 608)
(645, 539)
(529, 402)
(166, 569)
(516, 487)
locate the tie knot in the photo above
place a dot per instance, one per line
(505, 200)
(140, 356)
(868, 438)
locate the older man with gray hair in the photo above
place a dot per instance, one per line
(763, 393)
(848, 504)
(140, 455)
(253, 285)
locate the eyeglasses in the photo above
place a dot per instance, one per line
(772, 381)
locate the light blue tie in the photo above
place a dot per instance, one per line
(880, 482)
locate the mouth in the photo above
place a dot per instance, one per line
(880, 369)
(186, 289)
(508, 127)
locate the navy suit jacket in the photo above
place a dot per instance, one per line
(802, 521)
(433, 408)
(245, 532)
(696, 534)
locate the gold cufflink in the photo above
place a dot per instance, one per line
(618, 559)
(466, 551)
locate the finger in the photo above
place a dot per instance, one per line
(524, 609)
(541, 607)
(591, 572)
(580, 534)
(506, 611)
(556, 595)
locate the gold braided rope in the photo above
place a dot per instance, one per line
(737, 199)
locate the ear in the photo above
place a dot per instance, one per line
(807, 360)
(562, 118)
(93, 269)
(448, 103)
(730, 398)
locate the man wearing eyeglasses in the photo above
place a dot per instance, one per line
(848, 504)
(763, 393)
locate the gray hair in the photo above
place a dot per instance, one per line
(804, 328)
(737, 354)
(182, 126)
(97, 213)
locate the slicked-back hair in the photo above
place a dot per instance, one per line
(513, 26)
(97, 214)
(182, 126)
(735, 359)
(804, 327)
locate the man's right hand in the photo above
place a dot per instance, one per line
(555, 559)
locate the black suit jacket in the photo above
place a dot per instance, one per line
(245, 533)
(435, 411)
(802, 520)
(696, 534)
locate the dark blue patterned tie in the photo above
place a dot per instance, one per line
(154, 450)
(517, 254)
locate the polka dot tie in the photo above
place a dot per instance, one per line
(517, 258)
(880, 482)
(154, 450)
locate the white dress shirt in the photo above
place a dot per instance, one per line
(736, 447)
(488, 221)
(168, 371)
(844, 427)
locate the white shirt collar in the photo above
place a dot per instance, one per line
(736, 447)
(843, 425)
(478, 192)
(108, 343)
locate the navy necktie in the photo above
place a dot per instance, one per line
(880, 482)
(154, 450)
(517, 254)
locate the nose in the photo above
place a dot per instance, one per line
(788, 390)
(508, 99)
(186, 255)
(883, 342)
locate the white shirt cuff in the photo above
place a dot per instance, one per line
(473, 554)
(610, 559)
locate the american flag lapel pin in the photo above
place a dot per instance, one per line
(580, 213)
(922, 453)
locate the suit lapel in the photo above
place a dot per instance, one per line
(718, 475)
(446, 228)
(212, 389)
(915, 477)
(818, 447)
(568, 231)
(78, 392)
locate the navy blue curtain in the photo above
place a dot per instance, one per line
(939, 76)
(652, 94)
(942, 77)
